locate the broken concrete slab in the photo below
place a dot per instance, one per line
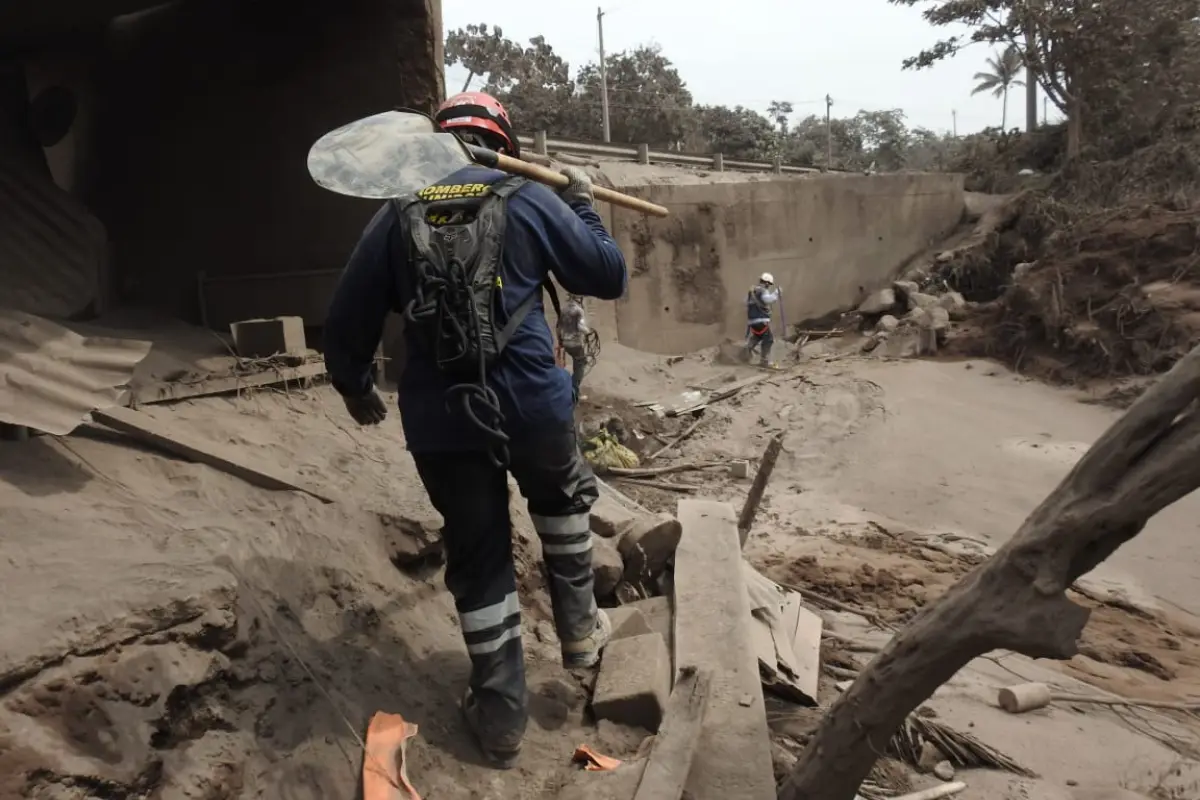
(711, 633)
(648, 545)
(878, 302)
(954, 303)
(887, 323)
(634, 682)
(921, 300)
(609, 518)
(607, 567)
(905, 289)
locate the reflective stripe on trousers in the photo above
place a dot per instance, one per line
(567, 551)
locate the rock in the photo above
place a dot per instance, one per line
(904, 343)
(411, 543)
(627, 593)
(1021, 270)
(648, 545)
(954, 303)
(634, 682)
(609, 518)
(607, 567)
(936, 318)
(930, 757)
(944, 771)
(628, 621)
(917, 316)
(921, 300)
(944, 256)
(887, 323)
(905, 289)
(878, 302)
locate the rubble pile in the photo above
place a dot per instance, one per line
(903, 321)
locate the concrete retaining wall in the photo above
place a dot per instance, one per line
(827, 239)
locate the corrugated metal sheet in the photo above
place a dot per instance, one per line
(51, 246)
(52, 378)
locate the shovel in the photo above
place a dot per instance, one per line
(401, 152)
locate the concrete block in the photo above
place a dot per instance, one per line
(607, 567)
(740, 468)
(628, 621)
(656, 611)
(634, 682)
(262, 338)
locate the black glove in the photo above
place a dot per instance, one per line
(579, 190)
(369, 409)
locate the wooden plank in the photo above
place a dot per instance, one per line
(712, 633)
(170, 438)
(168, 391)
(674, 748)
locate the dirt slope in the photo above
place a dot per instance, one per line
(159, 621)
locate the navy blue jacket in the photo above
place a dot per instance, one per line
(543, 236)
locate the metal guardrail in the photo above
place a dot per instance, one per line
(642, 154)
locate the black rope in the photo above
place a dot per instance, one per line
(441, 304)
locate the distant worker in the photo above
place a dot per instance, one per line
(572, 335)
(465, 263)
(759, 300)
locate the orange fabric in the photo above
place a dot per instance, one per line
(593, 761)
(385, 775)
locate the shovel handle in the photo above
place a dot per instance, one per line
(515, 166)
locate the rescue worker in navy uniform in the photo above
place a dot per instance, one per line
(759, 300)
(517, 415)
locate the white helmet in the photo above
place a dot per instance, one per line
(767, 278)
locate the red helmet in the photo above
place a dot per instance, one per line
(482, 114)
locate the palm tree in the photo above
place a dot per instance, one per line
(1004, 69)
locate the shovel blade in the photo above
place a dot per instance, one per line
(385, 155)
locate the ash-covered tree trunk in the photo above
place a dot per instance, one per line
(1016, 600)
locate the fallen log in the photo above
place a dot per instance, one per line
(1017, 600)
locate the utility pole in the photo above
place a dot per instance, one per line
(603, 75)
(828, 133)
(954, 118)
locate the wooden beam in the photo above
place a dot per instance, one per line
(168, 391)
(675, 746)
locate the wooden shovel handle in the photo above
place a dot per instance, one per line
(516, 166)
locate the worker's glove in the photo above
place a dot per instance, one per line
(369, 409)
(579, 189)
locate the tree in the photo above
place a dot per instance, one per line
(738, 133)
(883, 138)
(1017, 600)
(534, 83)
(1003, 69)
(482, 50)
(1104, 59)
(651, 104)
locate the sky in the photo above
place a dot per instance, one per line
(751, 52)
